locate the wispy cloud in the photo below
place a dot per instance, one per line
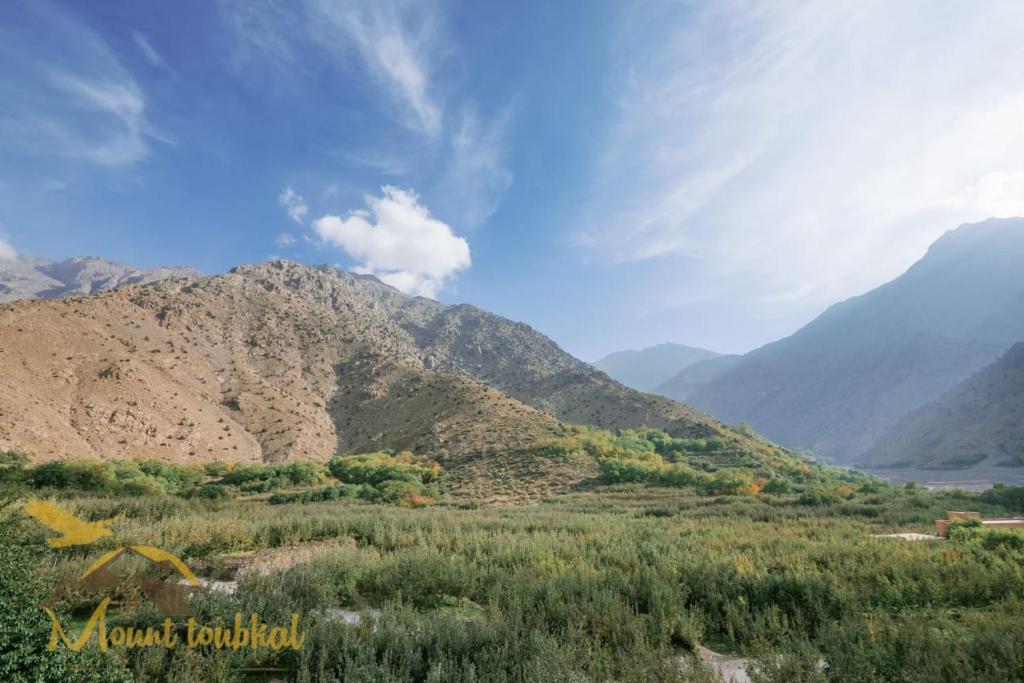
(149, 52)
(477, 174)
(396, 45)
(399, 241)
(74, 98)
(795, 153)
(285, 239)
(294, 204)
(123, 139)
(399, 49)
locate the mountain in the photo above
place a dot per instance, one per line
(839, 383)
(32, 278)
(647, 368)
(279, 360)
(694, 377)
(978, 422)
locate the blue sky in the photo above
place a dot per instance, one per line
(615, 174)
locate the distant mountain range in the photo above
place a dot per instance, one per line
(649, 367)
(841, 384)
(35, 278)
(694, 377)
(978, 422)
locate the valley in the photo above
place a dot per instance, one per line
(428, 485)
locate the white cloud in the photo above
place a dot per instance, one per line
(294, 204)
(285, 239)
(797, 153)
(399, 241)
(397, 49)
(7, 251)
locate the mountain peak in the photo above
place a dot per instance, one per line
(839, 383)
(36, 278)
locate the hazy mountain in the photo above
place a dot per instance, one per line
(978, 422)
(279, 360)
(843, 380)
(695, 377)
(647, 368)
(34, 278)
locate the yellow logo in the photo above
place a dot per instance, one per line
(169, 598)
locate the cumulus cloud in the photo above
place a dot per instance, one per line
(398, 240)
(796, 153)
(294, 204)
(7, 251)
(285, 239)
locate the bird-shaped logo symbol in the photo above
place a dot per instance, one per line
(74, 531)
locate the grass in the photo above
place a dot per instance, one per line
(611, 585)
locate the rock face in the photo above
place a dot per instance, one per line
(979, 422)
(279, 360)
(647, 368)
(838, 384)
(32, 278)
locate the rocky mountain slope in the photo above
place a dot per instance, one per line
(838, 384)
(280, 360)
(693, 378)
(32, 278)
(978, 422)
(647, 368)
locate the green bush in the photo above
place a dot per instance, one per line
(210, 492)
(615, 471)
(377, 468)
(12, 466)
(82, 475)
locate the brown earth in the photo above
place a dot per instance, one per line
(279, 360)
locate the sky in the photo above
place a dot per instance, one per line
(615, 174)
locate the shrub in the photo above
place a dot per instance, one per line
(614, 471)
(12, 465)
(777, 485)
(84, 475)
(377, 468)
(210, 492)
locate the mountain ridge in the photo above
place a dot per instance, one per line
(980, 421)
(646, 368)
(837, 384)
(280, 361)
(692, 378)
(27, 277)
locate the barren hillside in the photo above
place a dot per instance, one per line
(278, 361)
